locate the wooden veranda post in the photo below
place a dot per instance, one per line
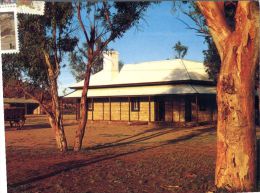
(92, 109)
(172, 108)
(120, 110)
(197, 109)
(138, 113)
(129, 110)
(149, 99)
(76, 108)
(103, 108)
(179, 109)
(109, 108)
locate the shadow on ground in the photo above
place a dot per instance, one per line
(34, 126)
(70, 165)
(139, 138)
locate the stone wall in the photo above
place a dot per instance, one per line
(118, 109)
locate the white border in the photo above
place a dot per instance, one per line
(11, 8)
(27, 10)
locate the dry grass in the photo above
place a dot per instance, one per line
(117, 158)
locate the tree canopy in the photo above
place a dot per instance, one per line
(36, 35)
(106, 22)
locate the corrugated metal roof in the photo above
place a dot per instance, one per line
(205, 89)
(145, 91)
(155, 71)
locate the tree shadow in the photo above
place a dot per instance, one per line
(144, 138)
(71, 165)
(140, 139)
(34, 126)
(191, 135)
(28, 127)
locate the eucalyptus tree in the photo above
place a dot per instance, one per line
(44, 40)
(102, 23)
(231, 30)
(236, 37)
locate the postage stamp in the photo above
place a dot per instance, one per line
(27, 6)
(9, 42)
(30, 7)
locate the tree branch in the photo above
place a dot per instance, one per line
(107, 15)
(54, 41)
(35, 98)
(81, 22)
(218, 27)
(199, 30)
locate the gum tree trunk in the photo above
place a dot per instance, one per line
(59, 134)
(80, 131)
(236, 134)
(56, 119)
(54, 116)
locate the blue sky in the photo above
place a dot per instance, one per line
(153, 40)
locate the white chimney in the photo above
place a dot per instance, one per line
(111, 63)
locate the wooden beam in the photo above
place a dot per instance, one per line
(158, 111)
(103, 110)
(109, 108)
(138, 112)
(172, 107)
(120, 109)
(92, 112)
(180, 110)
(149, 98)
(76, 113)
(129, 110)
(197, 109)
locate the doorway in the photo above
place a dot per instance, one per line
(160, 112)
(188, 112)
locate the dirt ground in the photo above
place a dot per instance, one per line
(117, 158)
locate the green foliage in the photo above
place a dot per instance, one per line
(211, 57)
(36, 35)
(180, 49)
(106, 22)
(78, 61)
(77, 65)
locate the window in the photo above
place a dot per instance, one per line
(135, 104)
(90, 105)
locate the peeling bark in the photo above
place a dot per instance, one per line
(54, 116)
(84, 112)
(236, 134)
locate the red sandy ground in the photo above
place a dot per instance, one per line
(117, 158)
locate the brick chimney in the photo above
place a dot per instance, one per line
(111, 63)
